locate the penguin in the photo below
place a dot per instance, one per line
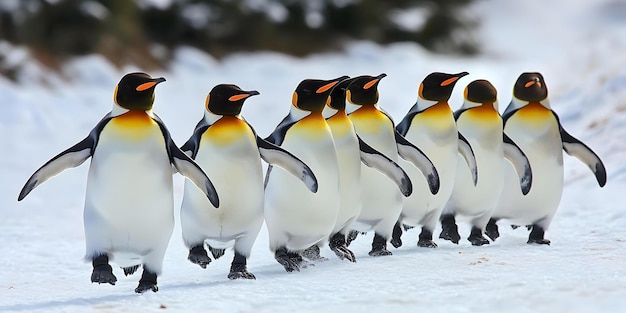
(351, 151)
(230, 152)
(430, 125)
(382, 201)
(481, 124)
(129, 209)
(297, 219)
(530, 121)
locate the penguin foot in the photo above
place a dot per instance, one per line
(290, 261)
(197, 255)
(449, 229)
(147, 282)
(425, 239)
(130, 270)
(337, 244)
(476, 237)
(312, 253)
(492, 230)
(217, 253)
(102, 272)
(396, 241)
(351, 236)
(514, 227)
(536, 236)
(407, 227)
(379, 246)
(238, 271)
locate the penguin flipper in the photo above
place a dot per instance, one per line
(190, 147)
(374, 159)
(186, 166)
(581, 151)
(466, 151)
(275, 155)
(413, 154)
(72, 157)
(520, 162)
(278, 135)
(190, 169)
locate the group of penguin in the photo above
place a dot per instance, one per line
(338, 166)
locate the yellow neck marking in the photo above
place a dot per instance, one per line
(227, 130)
(485, 112)
(534, 111)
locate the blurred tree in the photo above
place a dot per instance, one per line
(139, 31)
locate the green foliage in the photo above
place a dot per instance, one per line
(127, 31)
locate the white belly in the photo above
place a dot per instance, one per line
(129, 202)
(440, 144)
(349, 179)
(236, 173)
(542, 145)
(296, 217)
(381, 198)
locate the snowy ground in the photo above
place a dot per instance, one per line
(577, 45)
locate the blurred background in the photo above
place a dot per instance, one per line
(146, 32)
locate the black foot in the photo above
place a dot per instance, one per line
(147, 282)
(351, 236)
(239, 269)
(449, 229)
(476, 237)
(312, 253)
(102, 272)
(514, 226)
(407, 227)
(290, 261)
(130, 270)
(217, 253)
(197, 255)
(425, 239)
(492, 229)
(536, 236)
(337, 244)
(379, 246)
(396, 241)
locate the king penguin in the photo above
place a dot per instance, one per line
(351, 151)
(479, 121)
(296, 218)
(382, 201)
(230, 152)
(430, 125)
(535, 127)
(128, 214)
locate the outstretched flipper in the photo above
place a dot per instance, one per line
(581, 151)
(518, 159)
(69, 158)
(374, 159)
(413, 154)
(466, 151)
(278, 156)
(72, 157)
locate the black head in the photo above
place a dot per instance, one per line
(338, 95)
(363, 90)
(227, 99)
(530, 86)
(135, 91)
(312, 94)
(481, 91)
(438, 86)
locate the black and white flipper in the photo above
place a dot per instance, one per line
(520, 162)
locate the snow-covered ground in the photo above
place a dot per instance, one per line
(578, 46)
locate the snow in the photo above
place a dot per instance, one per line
(577, 45)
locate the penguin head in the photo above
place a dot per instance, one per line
(438, 86)
(226, 99)
(135, 91)
(313, 94)
(530, 87)
(363, 90)
(337, 98)
(480, 92)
